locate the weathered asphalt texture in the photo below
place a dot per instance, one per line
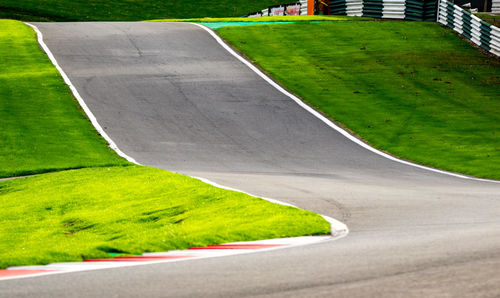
(171, 97)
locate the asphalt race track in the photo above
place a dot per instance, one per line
(171, 97)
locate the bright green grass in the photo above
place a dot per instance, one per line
(413, 89)
(89, 213)
(133, 10)
(42, 128)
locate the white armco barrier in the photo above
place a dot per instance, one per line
(303, 7)
(394, 9)
(495, 6)
(354, 8)
(470, 26)
(417, 10)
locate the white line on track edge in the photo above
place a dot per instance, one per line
(326, 120)
(338, 229)
(135, 264)
(80, 100)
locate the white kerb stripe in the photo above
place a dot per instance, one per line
(326, 120)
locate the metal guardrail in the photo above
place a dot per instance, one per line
(444, 12)
(471, 27)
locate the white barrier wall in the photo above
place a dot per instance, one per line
(417, 10)
(495, 6)
(471, 27)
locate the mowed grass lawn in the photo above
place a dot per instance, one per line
(119, 10)
(107, 205)
(90, 213)
(42, 126)
(413, 89)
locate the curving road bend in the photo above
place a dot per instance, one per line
(171, 97)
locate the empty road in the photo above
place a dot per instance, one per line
(171, 97)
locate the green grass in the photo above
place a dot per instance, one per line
(492, 19)
(131, 10)
(89, 213)
(413, 89)
(109, 206)
(42, 128)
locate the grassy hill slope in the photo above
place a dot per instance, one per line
(413, 89)
(42, 128)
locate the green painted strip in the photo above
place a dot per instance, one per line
(218, 25)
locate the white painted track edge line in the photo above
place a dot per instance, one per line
(135, 264)
(80, 100)
(326, 120)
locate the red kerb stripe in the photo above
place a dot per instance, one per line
(20, 272)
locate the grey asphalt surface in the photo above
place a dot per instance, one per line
(171, 97)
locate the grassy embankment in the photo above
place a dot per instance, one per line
(118, 10)
(43, 128)
(413, 89)
(109, 205)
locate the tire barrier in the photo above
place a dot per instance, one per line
(444, 12)
(292, 9)
(469, 26)
(415, 10)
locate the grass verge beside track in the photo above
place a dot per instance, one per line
(92, 212)
(42, 126)
(89, 213)
(413, 89)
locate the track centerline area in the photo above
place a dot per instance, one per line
(171, 97)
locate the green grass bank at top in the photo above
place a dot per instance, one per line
(89, 213)
(297, 19)
(119, 10)
(413, 89)
(42, 126)
(491, 19)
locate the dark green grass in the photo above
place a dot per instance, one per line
(131, 10)
(42, 128)
(413, 89)
(89, 213)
